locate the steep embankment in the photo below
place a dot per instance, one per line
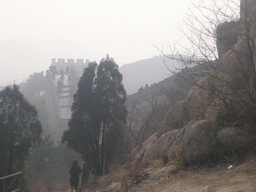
(240, 178)
(218, 178)
(147, 71)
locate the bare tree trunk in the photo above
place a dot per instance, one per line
(102, 147)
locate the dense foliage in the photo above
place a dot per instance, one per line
(34, 90)
(19, 130)
(33, 85)
(98, 114)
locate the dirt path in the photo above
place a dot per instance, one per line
(241, 178)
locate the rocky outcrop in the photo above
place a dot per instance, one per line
(175, 118)
(227, 35)
(193, 140)
(168, 141)
(232, 137)
(189, 125)
(191, 129)
(199, 139)
(139, 151)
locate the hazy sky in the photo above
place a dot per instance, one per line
(127, 30)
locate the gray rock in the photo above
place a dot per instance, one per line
(175, 118)
(227, 35)
(162, 144)
(115, 186)
(163, 172)
(199, 139)
(231, 136)
(194, 140)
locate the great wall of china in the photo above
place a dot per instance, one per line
(61, 84)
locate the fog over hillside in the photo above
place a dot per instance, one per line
(147, 71)
(20, 58)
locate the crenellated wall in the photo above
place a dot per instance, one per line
(63, 63)
(61, 84)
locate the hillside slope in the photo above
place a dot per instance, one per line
(219, 178)
(240, 178)
(147, 71)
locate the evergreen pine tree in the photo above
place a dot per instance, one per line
(98, 114)
(19, 130)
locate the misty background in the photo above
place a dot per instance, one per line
(34, 32)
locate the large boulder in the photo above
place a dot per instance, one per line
(159, 149)
(195, 139)
(140, 150)
(199, 139)
(199, 98)
(232, 137)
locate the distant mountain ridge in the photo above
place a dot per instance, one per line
(20, 58)
(147, 71)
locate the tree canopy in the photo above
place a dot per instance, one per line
(33, 85)
(34, 90)
(98, 114)
(19, 130)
